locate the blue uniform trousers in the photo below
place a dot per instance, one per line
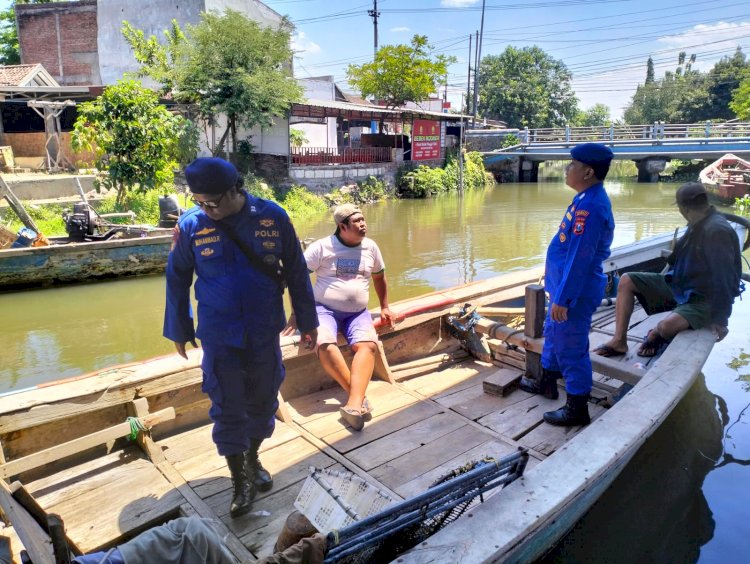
(566, 346)
(243, 385)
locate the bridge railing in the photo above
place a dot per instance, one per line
(652, 132)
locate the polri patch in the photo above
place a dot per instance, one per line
(579, 225)
(267, 222)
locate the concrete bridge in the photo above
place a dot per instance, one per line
(649, 146)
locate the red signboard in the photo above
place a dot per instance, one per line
(425, 140)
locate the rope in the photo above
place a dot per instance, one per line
(135, 427)
(508, 345)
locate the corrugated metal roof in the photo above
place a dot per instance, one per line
(371, 108)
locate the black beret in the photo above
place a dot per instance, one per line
(591, 153)
(211, 175)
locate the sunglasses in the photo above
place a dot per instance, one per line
(212, 204)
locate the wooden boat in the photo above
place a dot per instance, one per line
(136, 252)
(63, 447)
(93, 250)
(727, 178)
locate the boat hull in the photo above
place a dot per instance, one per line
(82, 262)
(727, 179)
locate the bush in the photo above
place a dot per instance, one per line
(299, 202)
(742, 205)
(258, 188)
(424, 180)
(364, 192)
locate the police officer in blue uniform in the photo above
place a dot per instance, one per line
(243, 251)
(575, 282)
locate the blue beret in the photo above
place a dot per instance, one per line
(591, 153)
(210, 175)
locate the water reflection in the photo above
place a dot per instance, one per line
(656, 510)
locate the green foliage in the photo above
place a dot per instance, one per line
(135, 138)
(598, 114)
(157, 60)
(742, 205)
(688, 96)
(9, 54)
(526, 88)
(297, 137)
(145, 205)
(188, 139)
(48, 219)
(425, 181)
(740, 103)
(683, 171)
(299, 202)
(510, 141)
(231, 65)
(365, 192)
(257, 187)
(401, 73)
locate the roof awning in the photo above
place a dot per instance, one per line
(333, 108)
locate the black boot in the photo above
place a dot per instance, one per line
(546, 385)
(244, 491)
(574, 412)
(259, 476)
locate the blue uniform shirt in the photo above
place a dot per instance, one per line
(582, 243)
(235, 300)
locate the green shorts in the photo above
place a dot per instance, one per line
(656, 296)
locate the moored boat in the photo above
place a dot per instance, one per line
(63, 442)
(727, 178)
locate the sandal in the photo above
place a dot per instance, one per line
(366, 410)
(653, 344)
(352, 417)
(607, 351)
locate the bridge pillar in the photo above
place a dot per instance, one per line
(529, 171)
(649, 169)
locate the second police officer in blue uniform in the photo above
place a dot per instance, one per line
(244, 251)
(575, 282)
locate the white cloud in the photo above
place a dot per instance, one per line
(710, 42)
(303, 46)
(401, 29)
(458, 3)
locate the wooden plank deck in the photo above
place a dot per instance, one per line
(422, 428)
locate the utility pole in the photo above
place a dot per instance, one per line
(468, 84)
(476, 67)
(374, 15)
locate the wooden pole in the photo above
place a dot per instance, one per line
(534, 327)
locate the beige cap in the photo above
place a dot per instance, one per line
(344, 211)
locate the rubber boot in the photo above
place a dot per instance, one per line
(259, 476)
(574, 412)
(244, 491)
(546, 386)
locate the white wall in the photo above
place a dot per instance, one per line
(318, 134)
(153, 17)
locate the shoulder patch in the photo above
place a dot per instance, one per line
(579, 225)
(583, 213)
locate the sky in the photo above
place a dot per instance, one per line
(604, 43)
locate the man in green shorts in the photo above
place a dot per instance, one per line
(698, 289)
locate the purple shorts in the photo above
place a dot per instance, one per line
(355, 326)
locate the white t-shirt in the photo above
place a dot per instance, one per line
(343, 273)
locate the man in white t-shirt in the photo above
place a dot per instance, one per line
(343, 264)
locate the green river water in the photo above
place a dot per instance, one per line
(685, 497)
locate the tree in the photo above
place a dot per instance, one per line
(723, 80)
(740, 103)
(157, 60)
(526, 88)
(297, 137)
(401, 73)
(232, 66)
(650, 76)
(598, 114)
(134, 136)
